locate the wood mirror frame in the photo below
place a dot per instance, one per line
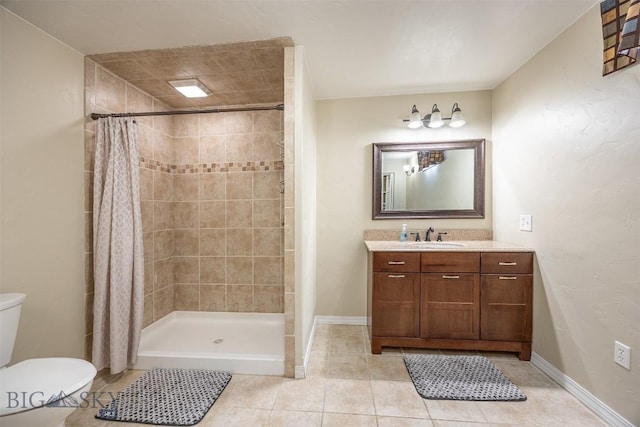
(478, 145)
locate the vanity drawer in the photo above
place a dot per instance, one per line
(396, 261)
(450, 262)
(507, 263)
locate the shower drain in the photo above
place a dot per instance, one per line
(218, 341)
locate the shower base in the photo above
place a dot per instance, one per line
(242, 343)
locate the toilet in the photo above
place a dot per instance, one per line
(37, 392)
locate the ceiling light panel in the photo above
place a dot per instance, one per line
(191, 88)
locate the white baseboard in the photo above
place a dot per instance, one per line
(341, 320)
(580, 393)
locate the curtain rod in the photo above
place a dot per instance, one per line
(96, 116)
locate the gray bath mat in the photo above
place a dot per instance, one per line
(459, 378)
(175, 397)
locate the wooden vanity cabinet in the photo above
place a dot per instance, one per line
(451, 300)
(396, 294)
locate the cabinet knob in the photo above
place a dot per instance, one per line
(507, 277)
(507, 263)
(395, 262)
(396, 276)
(450, 277)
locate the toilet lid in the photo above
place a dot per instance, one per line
(35, 382)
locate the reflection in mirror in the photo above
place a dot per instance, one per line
(446, 176)
(429, 180)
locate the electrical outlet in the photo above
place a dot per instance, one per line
(525, 222)
(622, 355)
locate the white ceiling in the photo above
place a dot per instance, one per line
(353, 48)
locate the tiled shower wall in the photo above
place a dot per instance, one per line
(227, 212)
(211, 200)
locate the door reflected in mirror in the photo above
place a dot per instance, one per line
(429, 180)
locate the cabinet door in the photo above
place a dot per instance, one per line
(395, 304)
(506, 307)
(450, 306)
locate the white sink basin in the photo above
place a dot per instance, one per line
(435, 245)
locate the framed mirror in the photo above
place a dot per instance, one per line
(428, 180)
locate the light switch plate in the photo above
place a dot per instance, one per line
(525, 222)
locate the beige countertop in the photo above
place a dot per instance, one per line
(449, 246)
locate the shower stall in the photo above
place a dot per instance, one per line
(246, 343)
(212, 202)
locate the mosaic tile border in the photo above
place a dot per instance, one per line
(276, 165)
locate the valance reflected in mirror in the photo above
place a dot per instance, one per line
(428, 180)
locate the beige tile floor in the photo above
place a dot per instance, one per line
(348, 386)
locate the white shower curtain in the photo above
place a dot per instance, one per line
(118, 257)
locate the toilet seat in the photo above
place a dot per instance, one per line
(31, 383)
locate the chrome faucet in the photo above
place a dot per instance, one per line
(428, 236)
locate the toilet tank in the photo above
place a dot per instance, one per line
(10, 305)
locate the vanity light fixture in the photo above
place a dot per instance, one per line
(416, 120)
(191, 88)
(435, 119)
(409, 169)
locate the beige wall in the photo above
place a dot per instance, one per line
(566, 151)
(346, 129)
(305, 213)
(41, 150)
